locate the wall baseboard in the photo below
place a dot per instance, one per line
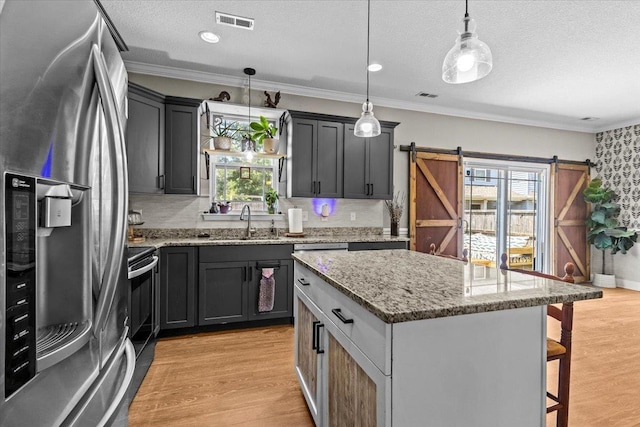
(628, 284)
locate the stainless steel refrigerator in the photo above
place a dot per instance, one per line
(64, 353)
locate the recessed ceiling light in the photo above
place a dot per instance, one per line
(374, 67)
(209, 37)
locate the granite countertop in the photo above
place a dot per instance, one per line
(401, 285)
(262, 240)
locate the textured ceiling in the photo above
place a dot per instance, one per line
(554, 62)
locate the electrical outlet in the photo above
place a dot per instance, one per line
(305, 216)
(353, 216)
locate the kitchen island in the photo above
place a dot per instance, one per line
(405, 339)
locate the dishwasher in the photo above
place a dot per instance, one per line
(311, 247)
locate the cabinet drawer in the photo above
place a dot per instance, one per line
(370, 334)
(221, 253)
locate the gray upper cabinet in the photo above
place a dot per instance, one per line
(327, 160)
(145, 140)
(316, 153)
(368, 165)
(181, 153)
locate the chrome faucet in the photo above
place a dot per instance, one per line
(249, 229)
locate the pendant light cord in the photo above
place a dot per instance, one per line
(466, 15)
(368, 36)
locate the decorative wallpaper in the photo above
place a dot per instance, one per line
(618, 163)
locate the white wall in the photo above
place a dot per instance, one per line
(425, 129)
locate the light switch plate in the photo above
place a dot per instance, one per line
(353, 216)
(305, 216)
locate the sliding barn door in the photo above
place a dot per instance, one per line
(435, 187)
(570, 211)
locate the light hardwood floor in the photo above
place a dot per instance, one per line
(231, 378)
(246, 377)
(605, 369)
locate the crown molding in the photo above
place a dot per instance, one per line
(619, 125)
(257, 84)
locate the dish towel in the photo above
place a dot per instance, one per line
(266, 291)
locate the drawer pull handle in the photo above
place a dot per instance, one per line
(340, 316)
(314, 338)
(303, 281)
(318, 349)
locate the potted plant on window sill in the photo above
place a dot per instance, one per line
(265, 133)
(223, 134)
(603, 230)
(271, 197)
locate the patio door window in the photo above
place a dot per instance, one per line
(504, 212)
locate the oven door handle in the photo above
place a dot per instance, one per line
(139, 272)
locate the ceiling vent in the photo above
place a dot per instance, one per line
(234, 21)
(590, 119)
(426, 95)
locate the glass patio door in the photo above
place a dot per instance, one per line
(504, 205)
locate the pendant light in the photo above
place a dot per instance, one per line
(469, 59)
(249, 149)
(367, 126)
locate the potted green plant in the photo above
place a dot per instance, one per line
(224, 132)
(264, 133)
(603, 229)
(271, 197)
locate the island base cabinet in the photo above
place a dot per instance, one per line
(347, 389)
(352, 393)
(307, 359)
(483, 369)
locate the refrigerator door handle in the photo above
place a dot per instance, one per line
(131, 364)
(116, 249)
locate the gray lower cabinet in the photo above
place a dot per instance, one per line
(145, 140)
(368, 165)
(178, 287)
(317, 147)
(283, 290)
(223, 291)
(181, 145)
(229, 283)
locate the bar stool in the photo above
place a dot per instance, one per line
(559, 350)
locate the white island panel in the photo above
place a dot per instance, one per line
(485, 369)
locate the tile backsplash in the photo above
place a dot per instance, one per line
(184, 211)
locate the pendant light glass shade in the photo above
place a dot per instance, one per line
(470, 59)
(367, 125)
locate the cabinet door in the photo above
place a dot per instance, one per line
(177, 287)
(355, 165)
(355, 391)
(181, 133)
(307, 359)
(145, 144)
(222, 294)
(380, 165)
(329, 155)
(282, 294)
(303, 166)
